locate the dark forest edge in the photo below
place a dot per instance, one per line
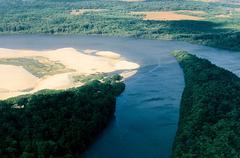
(57, 124)
(210, 111)
(53, 17)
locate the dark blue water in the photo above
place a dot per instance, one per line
(147, 112)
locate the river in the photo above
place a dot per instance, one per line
(147, 112)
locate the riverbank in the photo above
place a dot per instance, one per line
(209, 113)
(28, 71)
(57, 123)
(212, 24)
(148, 110)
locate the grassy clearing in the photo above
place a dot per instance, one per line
(38, 66)
(166, 16)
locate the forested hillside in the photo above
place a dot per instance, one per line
(209, 125)
(219, 26)
(56, 124)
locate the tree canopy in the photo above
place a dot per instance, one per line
(56, 124)
(209, 125)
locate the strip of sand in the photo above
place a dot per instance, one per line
(17, 81)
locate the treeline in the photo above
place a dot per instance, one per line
(53, 17)
(209, 125)
(57, 124)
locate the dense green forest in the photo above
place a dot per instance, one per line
(209, 125)
(115, 19)
(57, 124)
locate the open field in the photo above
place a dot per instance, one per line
(168, 16)
(38, 66)
(27, 71)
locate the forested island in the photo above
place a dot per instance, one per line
(57, 123)
(209, 123)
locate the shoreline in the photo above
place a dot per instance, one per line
(116, 37)
(64, 64)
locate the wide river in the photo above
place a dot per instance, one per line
(147, 112)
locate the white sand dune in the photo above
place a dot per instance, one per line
(16, 79)
(108, 54)
(59, 81)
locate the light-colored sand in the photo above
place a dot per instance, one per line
(89, 51)
(208, 1)
(82, 11)
(125, 65)
(237, 9)
(6, 95)
(127, 74)
(223, 16)
(108, 54)
(16, 80)
(167, 16)
(236, 2)
(59, 81)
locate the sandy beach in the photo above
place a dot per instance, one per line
(58, 66)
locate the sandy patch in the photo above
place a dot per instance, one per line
(59, 81)
(223, 16)
(237, 9)
(166, 16)
(17, 80)
(6, 95)
(108, 54)
(125, 65)
(127, 74)
(82, 11)
(89, 51)
(209, 0)
(236, 2)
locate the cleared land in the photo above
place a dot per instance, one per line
(212, 23)
(166, 16)
(82, 11)
(27, 71)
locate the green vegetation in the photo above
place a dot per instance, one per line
(56, 124)
(53, 17)
(87, 78)
(38, 66)
(101, 77)
(209, 124)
